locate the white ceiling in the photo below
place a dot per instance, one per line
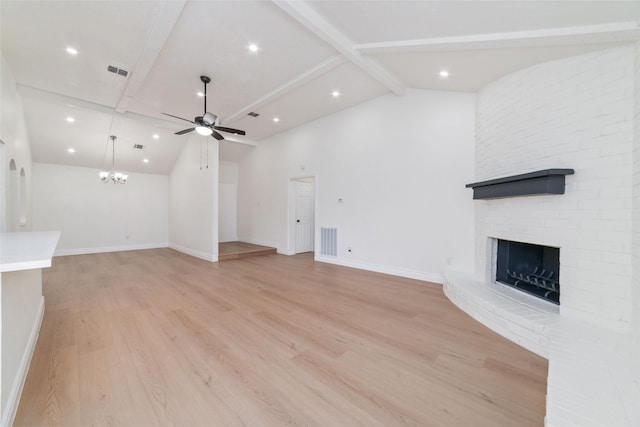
(364, 49)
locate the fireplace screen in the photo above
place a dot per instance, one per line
(530, 268)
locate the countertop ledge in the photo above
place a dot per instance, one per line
(27, 250)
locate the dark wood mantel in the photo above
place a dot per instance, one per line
(547, 181)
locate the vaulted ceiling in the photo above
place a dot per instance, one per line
(306, 51)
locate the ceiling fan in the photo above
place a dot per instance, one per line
(206, 124)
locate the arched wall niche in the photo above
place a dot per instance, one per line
(22, 196)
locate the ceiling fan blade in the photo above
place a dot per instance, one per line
(230, 130)
(216, 135)
(182, 132)
(176, 117)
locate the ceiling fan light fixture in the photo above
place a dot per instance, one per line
(209, 119)
(203, 130)
(207, 124)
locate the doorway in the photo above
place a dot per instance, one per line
(3, 191)
(302, 213)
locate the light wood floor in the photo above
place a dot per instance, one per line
(154, 337)
(235, 250)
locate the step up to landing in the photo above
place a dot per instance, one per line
(236, 250)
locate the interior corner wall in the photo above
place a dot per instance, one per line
(399, 165)
(193, 199)
(98, 217)
(13, 133)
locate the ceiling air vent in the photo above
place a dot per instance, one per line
(117, 70)
(138, 146)
(252, 114)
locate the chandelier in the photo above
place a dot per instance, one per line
(112, 175)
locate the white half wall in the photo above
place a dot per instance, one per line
(98, 217)
(399, 165)
(193, 199)
(22, 310)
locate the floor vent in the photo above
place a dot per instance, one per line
(329, 241)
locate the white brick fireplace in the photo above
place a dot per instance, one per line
(575, 113)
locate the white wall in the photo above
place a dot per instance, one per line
(98, 217)
(228, 202)
(193, 199)
(636, 201)
(13, 133)
(571, 113)
(16, 322)
(400, 165)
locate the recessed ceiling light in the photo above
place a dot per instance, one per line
(200, 94)
(71, 119)
(253, 47)
(156, 136)
(146, 160)
(71, 150)
(444, 74)
(71, 51)
(335, 93)
(276, 119)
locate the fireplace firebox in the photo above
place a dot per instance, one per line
(530, 268)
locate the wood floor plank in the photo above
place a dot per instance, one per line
(155, 337)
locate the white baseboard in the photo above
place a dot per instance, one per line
(287, 251)
(394, 271)
(195, 253)
(9, 411)
(97, 250)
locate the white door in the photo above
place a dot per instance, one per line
(304, 216)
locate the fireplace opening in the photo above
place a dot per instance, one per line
(530, 268)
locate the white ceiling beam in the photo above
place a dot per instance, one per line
(601, 33)
(314, 22)
(287, 87)
(164, 20)
(240, 140)
(43, 95)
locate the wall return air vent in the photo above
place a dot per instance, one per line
(547, 181)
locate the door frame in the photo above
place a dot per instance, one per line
(291, 212)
